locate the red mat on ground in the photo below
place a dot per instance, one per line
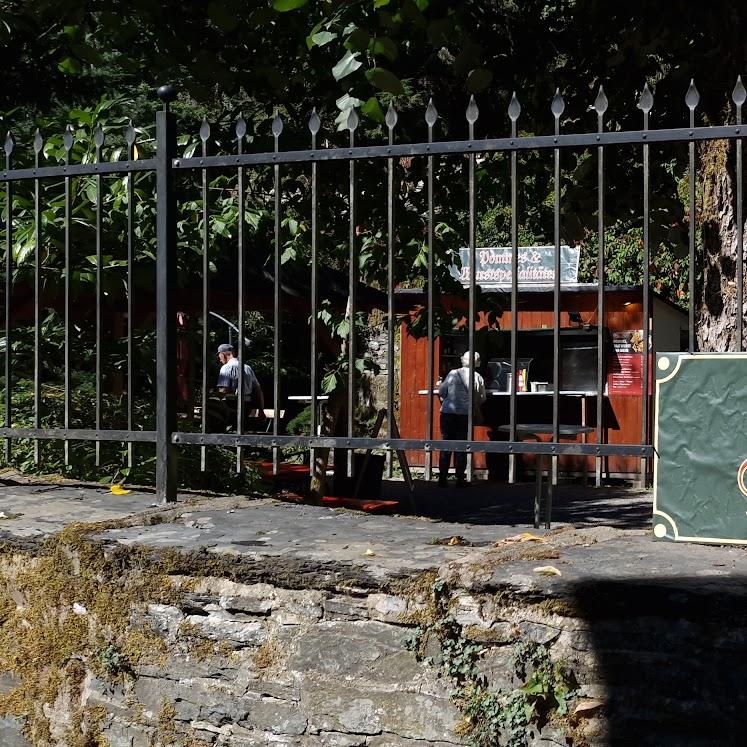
(368, 505)
(285, 471)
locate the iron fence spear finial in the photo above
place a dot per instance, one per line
(646, 100)
(205, 130)
(67, 138)
(692, 97)
(277, 126)
(739, 94)
(558, 105)
(391, 116)
(431, 115)
(10, 143)
(472, 111)
(514, 108)
(352, 120)
(315, 122)
(240, 127)
(601, 103)
(98, 137)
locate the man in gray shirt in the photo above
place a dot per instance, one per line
(223, 414)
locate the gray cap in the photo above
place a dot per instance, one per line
(225, 348)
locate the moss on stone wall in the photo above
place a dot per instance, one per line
(61, 610)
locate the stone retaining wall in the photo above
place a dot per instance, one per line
(439, 658)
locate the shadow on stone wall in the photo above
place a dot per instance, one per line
(672, 658)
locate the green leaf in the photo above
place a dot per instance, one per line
(372, 110)
(90, 190)
(380, 3)
(385, 46)
(346, 101)
(343, 328)
(329, 383)
(479, 79)
(283, 6)
(81, 116)
(348, 64)
(385, 80)
(422, 4)
(358, 40)
(69, 65)
(309, 42)
(322, 38)
(74, 32)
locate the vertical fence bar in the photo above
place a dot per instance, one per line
(691, 99)
(739, 95)
(472, 115)
(391, 121)
(68, 143)
(600, 105)
(206, 355)
(240, 134)
(9, 144)
(557, 107)
(98, 139)
(130, 138)
(352, 286)
(277, 128)
(314, 126)
(166, 474)
(514, 110)
(38, 143)
(430, 118)
(646, 290)
(37, 298)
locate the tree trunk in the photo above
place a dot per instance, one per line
(334, 409)
(716, 287)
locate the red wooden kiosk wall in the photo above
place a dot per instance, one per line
(623, 312)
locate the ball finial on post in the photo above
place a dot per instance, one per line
(167, 94)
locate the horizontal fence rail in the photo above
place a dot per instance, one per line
(462, 147)
(167, 168)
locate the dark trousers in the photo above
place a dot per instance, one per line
(453, 428)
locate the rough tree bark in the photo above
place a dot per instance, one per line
(716, 289)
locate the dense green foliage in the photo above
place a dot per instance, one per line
(227, 57)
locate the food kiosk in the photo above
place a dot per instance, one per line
(623, 369)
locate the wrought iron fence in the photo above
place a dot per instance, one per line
(166, 165)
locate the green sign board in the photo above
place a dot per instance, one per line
(700, 441)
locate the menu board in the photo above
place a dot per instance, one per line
(625, 365)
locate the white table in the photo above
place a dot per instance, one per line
(320, 398)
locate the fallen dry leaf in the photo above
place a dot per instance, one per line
(529, 537)
(523, 537)
(455, 540)
(547, 570)
(585, 705)
(369, 553)
(117, 489)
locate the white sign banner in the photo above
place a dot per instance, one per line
(536, 266)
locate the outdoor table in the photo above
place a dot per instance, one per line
(320, 400)
(535, 430)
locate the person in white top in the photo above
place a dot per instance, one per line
(454, 394)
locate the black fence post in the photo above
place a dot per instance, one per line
(166, 473)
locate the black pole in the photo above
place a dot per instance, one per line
(166, 476)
